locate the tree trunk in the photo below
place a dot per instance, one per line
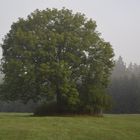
(59, 101)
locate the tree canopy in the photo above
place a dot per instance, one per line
(58, 56)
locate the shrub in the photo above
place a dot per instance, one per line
(46, 108)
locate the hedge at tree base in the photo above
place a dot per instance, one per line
(51, 109)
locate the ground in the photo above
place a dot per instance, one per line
(22, 126)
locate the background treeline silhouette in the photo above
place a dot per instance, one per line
(124, 89)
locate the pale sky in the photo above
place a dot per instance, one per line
(118, 20)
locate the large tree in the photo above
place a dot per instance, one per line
(59, 56)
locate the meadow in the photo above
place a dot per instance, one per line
(22, 126)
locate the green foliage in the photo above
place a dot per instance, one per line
(52, 55)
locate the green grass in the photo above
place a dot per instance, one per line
(19, 126)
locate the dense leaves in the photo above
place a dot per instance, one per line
(55, 55)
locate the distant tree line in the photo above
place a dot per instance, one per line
(125, 87)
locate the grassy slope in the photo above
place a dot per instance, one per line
(111, 127)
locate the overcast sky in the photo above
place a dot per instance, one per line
(118, 20)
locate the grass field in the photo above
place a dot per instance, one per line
(19, 126)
